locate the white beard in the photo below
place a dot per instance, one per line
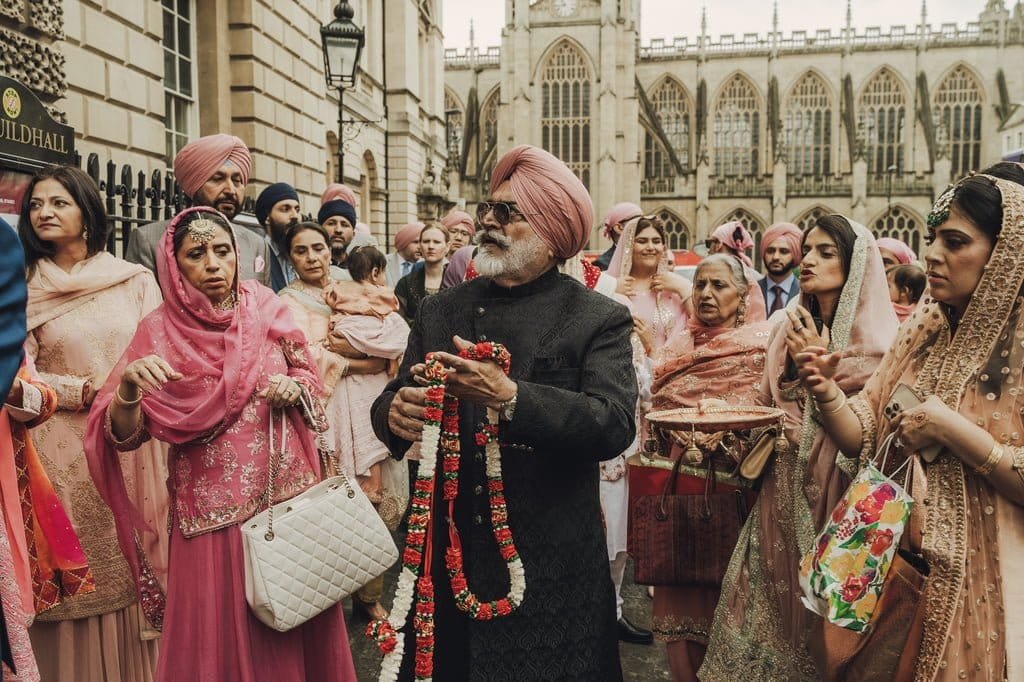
(500, 256)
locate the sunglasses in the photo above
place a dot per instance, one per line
(504, 212)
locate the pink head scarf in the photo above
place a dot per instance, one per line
(619, 214)
(220, 354)
(792, 236)
(456, 217)
(336, 190)
(408, 234)
(904, 254)
(559, 206)
(727, 235)
(199, 159)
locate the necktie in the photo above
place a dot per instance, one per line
(406, 267)
(777, 301)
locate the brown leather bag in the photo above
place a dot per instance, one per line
(682, 530)
(887, 651)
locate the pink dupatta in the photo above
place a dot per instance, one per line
(223, 354)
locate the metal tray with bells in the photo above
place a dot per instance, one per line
(716, 418)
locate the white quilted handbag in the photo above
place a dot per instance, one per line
(310, 552)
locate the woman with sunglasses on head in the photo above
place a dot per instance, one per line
(961, 352)
(425, 281)
(659, 299)
(761, 626)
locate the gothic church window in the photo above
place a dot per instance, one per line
(810, 218)
(899, 223)
(736, 129)
(882, 116)
(488, 139)
(675, 230)
(673, 110)
(658, 170)
(565, 109)
(957, 113)
(807, 128)
(179, 94)
(453, 123)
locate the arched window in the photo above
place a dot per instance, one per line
(807, 128)
(882, 113)
(454, 122)
(737, 128)
(899, 223)
(810, 218)
(675, 230)
(673, 109)
(658, 170)
(565, 109)
(488, 140)
(754, 225)
(957, 111)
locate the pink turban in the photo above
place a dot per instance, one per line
(363, 229)
(339, 191)
(407, 235)
(904, 254)
(201, 158)
(543, 186)
(457, 217)
(620, 213)
(790, 233)
(725, 234)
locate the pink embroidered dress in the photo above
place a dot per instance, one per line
(79, 322)
(217, 426)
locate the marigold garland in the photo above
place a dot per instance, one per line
(441, 437)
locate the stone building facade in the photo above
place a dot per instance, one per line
(762, 128)
(138, 78)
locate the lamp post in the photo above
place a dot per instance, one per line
(342, 43)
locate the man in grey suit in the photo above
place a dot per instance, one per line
(211, 171)
(781, 255)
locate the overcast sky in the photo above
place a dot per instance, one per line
(670, 18)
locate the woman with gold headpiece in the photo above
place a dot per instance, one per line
(962, 352)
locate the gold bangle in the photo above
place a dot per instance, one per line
(119, 399)
(992, 461)
(839, 392)
(841, 405)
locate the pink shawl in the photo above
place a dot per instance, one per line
(224, 352)
(724, 234)
(360, 298)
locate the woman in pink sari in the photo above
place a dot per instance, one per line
(962, 353)
(83, 307)
(760, 626)
(719, 354)
(205, 373)
(657, 297)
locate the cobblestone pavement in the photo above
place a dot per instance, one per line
(639, 663)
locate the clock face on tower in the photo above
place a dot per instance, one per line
(564, 8)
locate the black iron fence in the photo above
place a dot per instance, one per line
(132, 199)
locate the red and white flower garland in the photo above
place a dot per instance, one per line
(441, 435)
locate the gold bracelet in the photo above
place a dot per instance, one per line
(119, 399)
(992, 461)
(841, 405)
(839, 392)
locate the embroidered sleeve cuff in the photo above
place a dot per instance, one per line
(868, 427)
(132, 441)
(792, 390)
(31, 404)
(69, 390)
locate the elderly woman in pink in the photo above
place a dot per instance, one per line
(206, 372)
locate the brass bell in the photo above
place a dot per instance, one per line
(692, 455)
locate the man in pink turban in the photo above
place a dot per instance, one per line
(406, 254)
(894, 252)
(461, 229)
(211, 171)
(781, 254)
(568, 402)
(616, 219)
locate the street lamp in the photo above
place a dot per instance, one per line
(342, 43)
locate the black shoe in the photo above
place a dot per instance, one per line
(632, 634)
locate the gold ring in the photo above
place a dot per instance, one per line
(920, 418)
